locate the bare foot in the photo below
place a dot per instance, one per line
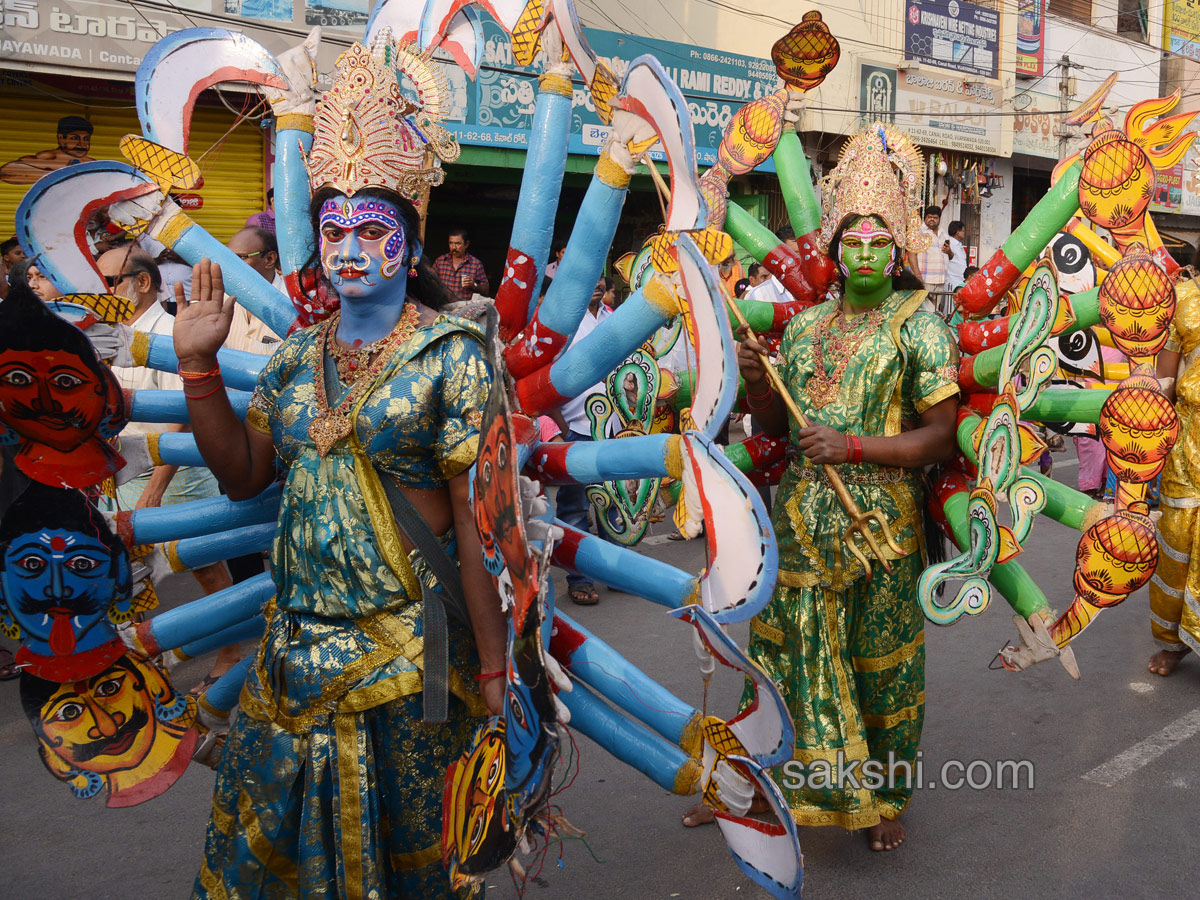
(698, 815)
(703, 815)
(1164, 661)
(887, 835)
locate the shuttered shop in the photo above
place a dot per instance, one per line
(232, 161)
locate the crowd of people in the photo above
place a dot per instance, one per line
(845, 648)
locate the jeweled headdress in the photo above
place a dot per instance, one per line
(368, 134)
(879, 173)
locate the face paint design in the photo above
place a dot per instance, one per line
(362, 244)
(124, 729)
(59, 586)
(476, 836)
(867, 254)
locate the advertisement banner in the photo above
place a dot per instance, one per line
(1181, 27)
(1031, 36)
(496, 110)
(943, 111)
(954, 35)
(1190, 191)
(1168, 189)
(937, 110)
(1035, 124)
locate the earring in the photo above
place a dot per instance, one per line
(84, 785)
(169, 712)
(412, 269)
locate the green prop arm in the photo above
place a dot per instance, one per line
(795, 179)
(981, 372)
(987, 286)
(1063, 504)
(1010, 578)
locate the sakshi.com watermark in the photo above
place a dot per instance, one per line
(845, 774)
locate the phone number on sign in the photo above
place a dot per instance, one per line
(719, 58)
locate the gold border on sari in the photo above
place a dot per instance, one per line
(897, 656)
(350, 802)
(278, 864)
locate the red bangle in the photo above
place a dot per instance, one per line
(484, 676)
(220, 385)
(766, 398)
(854, 449)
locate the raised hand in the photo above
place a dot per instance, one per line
(202, 321)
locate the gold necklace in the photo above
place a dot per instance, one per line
(839, 338)
(352, 363)
(332, 425)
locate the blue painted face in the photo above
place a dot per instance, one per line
(58, 586)
(363, 247)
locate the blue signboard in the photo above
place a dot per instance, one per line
(953, 35)
(496, 110)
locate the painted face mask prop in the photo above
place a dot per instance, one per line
(57, 400)
(527, 736)
(867, 255)
(124, 730)
(476, 836)
(64, 576)
(363, 247)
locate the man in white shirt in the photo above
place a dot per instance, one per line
(931, 264)
(572, 499)
(133, 274)
(956, 253)
(256, 247)
(764, 286)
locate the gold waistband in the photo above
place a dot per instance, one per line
(851, 474)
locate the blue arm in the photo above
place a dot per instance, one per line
(212, 614)
(171, 406)
(253, 292)
(199, 517)
(239, 369)
(294, 230)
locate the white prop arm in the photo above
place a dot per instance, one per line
(299, 65)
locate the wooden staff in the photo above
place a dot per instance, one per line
(860, 522)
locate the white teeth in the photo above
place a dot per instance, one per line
(75, 621)
(46, 619)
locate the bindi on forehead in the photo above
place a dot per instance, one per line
(56, 542)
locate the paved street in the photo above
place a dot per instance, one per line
(1068, 837)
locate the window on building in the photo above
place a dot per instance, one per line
(1133, 19)
(1079, 10)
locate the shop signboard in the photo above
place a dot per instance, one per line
(953, 34)
(1036, 123)
(937, 110)
(495, 110)
(1168, 189)
(1189, 200)
(1181, 27)
(1031, 37)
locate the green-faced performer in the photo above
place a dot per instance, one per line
(877, 377)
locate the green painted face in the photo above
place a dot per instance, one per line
(867, 257)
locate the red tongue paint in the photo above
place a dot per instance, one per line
(62, 636)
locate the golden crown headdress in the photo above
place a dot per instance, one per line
(879, 173)
(366, 133)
